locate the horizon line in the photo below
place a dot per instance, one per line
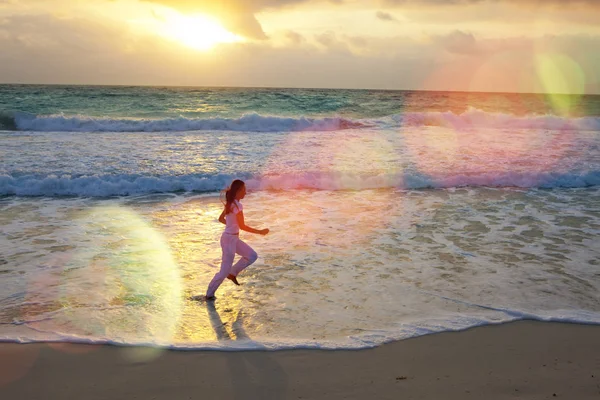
(293, 88)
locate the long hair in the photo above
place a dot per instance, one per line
(230, 194)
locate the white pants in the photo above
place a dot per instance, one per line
(230, 245)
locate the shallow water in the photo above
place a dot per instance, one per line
(339, 268)
(392, 214)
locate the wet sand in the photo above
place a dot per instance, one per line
(520, 360)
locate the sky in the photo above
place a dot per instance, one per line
(465, 45)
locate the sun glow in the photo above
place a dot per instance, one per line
(198, 32)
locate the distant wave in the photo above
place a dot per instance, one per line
(126, 185)
(259, 123)
(247, 123)
(8, 121)
(474, 117)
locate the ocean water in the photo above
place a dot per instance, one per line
(393, 214)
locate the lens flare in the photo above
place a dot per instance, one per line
(500, 72)
(487, 137)
(16, 362)
(362, 167)
(140, 270)
(120, 284)
(562, 79)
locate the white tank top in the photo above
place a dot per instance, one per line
(231, 224)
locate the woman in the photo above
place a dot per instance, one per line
(233, 218)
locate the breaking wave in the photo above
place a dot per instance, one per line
(126, 185)
(259, 123)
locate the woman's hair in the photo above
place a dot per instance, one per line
(230, 193)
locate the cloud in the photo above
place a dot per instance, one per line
(227, 5)
(508, 16)
(385, 16)
(59, 36)
(334, 43)
(244, 24)
(236, 15)
(47, 49)
(467, 2)
(327, 39)
(458, 42)
(294, 37)
(358, 41)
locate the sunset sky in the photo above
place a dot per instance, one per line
(485, 45)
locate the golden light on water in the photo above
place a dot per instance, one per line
(198, 31)
(193, 233)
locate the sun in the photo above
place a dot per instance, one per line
(197, 31)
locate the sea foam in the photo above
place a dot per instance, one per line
(254, 122)
(124, 185)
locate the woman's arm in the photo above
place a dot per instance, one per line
(222, 218)
(244, 227)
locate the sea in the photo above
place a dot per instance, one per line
(392, 214)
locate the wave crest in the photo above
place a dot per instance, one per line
(247, 123)
(126, 185)
(258, 123)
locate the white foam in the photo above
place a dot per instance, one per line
(258, 123)
(474, 117)
(365, 340)
(125, 185)
(332, 274)
(247, 123)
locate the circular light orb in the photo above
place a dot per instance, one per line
(562, 79)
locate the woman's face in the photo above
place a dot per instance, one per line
(241, 193)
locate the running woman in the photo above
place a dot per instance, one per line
(233, 218)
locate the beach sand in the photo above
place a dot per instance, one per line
(519, 360)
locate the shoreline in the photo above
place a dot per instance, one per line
(226, 343)
(520, 359)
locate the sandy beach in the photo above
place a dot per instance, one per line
(523, 360)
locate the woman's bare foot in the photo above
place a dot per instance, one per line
(233, 279)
